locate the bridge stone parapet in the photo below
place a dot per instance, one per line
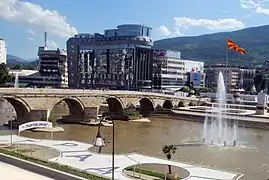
(35, 104)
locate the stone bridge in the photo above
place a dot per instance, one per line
(36, 104)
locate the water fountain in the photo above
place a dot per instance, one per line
(219, 132)
(16, 83)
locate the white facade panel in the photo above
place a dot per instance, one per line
(3, 51)
(197, 66)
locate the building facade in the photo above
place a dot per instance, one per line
(234, 77)
(171, 72)
(52, 73)
(168, 70)
(120, 58)
(247, 79)
(3, 51)
(194, 71)
(53, 68)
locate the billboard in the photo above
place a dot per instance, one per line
(195, 78)
(167, 53)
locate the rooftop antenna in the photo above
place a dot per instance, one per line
(45, 42)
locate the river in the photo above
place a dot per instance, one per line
(148, 139)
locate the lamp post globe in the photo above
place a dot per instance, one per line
(99, 141)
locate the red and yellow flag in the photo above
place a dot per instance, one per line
(233, 46)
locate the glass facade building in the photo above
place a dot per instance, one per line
(119, 59)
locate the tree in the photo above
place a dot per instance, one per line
(259, 82)
(53, 120)
(185, 89)
(168, 150)
(4, 74)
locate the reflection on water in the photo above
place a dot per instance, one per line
(148, 138)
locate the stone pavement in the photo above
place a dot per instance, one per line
(77, 155)
(9, 172)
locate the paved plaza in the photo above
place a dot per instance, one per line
(9, 172)
(77, 155)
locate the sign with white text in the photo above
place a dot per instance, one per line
(35, 124)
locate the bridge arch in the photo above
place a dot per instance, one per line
(115, 106)
(167, 104)
(21, 108)
(146, 106)
(75, 107)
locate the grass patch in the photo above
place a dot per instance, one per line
(23, 151)
(147, 172)
(20, 150)
(52, 165)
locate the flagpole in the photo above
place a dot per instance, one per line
(226, 67)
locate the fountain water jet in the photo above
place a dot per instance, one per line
(218, 133)
(16, 83)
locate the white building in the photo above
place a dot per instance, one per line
(194, 66)
(194, 71)
(22, 72)
(3, 51)
(171, 72)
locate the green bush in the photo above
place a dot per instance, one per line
(133, 113)
(53, 120)
(147, 172)
(53, 165)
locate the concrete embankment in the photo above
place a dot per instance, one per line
(243, 121)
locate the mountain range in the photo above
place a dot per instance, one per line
(15, 62)
(210, 48)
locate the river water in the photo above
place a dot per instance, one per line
(251, 159)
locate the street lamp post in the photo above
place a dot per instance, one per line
(99, 142)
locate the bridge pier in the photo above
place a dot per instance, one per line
(90, 113)
(39, 115)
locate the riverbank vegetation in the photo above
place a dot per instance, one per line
(132, 112)
(53, 165)
(53, 120)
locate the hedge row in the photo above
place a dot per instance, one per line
(53, 165)
(147, 172)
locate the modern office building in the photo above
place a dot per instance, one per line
(3, 51)
(53, 67)
(234, 77)
(171, 72)
(120, 58)
(52, 73)
(231, 75)
(168, 70)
